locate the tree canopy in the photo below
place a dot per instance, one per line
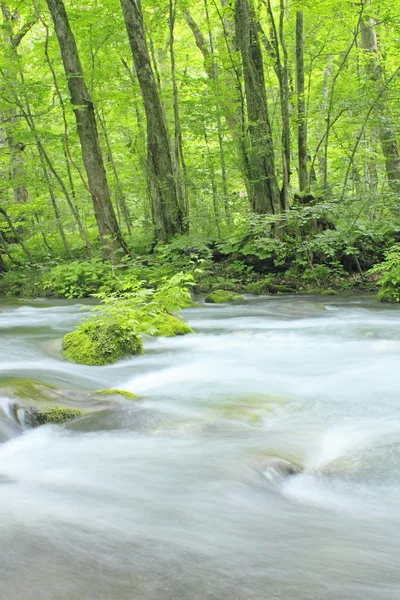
(124, 124)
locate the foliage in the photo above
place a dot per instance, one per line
(116, 327)
(77, 279)
(389, 270)
(336, 230)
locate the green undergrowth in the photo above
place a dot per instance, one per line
(389, 275)
(258, 256)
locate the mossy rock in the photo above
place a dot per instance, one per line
(99, 343)
(54, 414)
(124, 393)
(223, 296)
(167, 325)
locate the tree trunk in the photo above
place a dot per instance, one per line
(109, 232)
(264, 189)
(385, 128)
(16, 235)
(167, 212)
(301, 105)
(282, 71)
(180, 163)
(16, 148)
(3, 266)
(233, 107)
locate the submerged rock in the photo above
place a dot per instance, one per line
(100, 343)
(222, 297)
(124, 393)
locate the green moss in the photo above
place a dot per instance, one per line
(169, 326)
(223, 296)
(124, 393)
(55, 414)
(101, 342)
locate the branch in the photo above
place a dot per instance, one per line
(17, 39)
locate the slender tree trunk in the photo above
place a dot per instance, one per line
(385, 129)
(233, 110)
(167, 212)
(265, 195)
(180, 164)
(282, 71)
(7, 253)
(301, 105)
(17, 170)
(3, 266)
(53, 199)
(110, 234)
(16, 235)
(215, 80)
(121, 200)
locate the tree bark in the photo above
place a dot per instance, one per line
(385, 128)
(301, 105)
(264, 189)
(168, 216)
(109, 232)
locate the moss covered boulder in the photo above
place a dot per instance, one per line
(167, 325)
(100, 342)
(223, 296)
(54, 414)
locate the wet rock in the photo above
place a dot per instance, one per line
(283, 467)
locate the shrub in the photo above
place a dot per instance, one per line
(77, 279)
(389, 270)
(115, 329)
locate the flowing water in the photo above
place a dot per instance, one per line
(262, 463)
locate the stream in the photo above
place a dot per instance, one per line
(261, 463)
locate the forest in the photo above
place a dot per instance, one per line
(253, 145)
(199, 299)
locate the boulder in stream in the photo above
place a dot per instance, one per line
(54, 414)
(167, 325)
(222, 297)
(99, 342)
